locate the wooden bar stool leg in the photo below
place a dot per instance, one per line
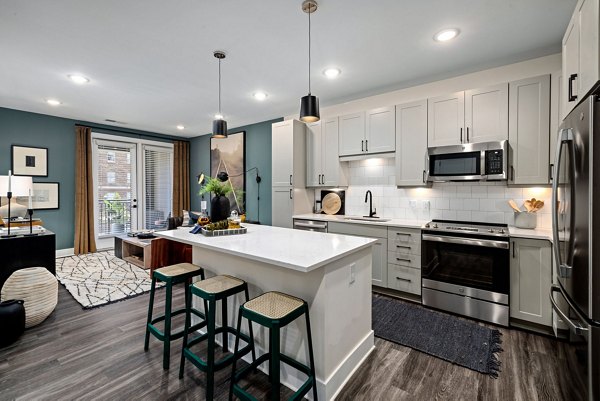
(210, 356)
(186, 327)
(167, 341)
(311, 353)
(150, 306)
(224, 324)
(274, 362)
(235, 351)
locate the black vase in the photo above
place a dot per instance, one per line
(12, 321)
(219, 208)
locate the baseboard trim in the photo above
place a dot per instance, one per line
(61, 253)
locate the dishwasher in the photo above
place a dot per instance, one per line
(310, 225)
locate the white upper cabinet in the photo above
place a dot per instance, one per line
(314, 147)
(529, 134)
(332, 173)
(411, 143)
(352, 134)
(446, 119)
(380, 130)
(283, 153)
(581, 52)
(486, 114)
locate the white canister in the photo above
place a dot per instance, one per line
(525, 220)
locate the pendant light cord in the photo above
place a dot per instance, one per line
(219, 86)
(309, 12)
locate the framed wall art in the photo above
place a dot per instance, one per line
(29, 161)
(229, 155)
(44, 196)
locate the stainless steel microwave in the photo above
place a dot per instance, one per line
(484, 161)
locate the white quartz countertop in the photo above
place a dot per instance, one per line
(347, 219)
(536, 233)
(293, 249)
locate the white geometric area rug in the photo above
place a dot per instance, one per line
(96, 279)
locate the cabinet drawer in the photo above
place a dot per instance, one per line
(404, 248)
(405, 279)
(361, 230)
(403, 236)
(413, 261)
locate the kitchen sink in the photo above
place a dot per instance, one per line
(375, 219)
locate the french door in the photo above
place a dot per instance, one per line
(133, 186)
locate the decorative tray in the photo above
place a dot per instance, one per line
(220, 233)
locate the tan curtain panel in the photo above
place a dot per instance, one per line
(84, 192)
(181, 177)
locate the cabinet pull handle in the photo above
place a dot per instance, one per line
(467, 134)
(572, 78)
(403, 246)
(423, 176)
(461, 137)
(362, 146)
(404, 260)
(291, 179)
(404, 234)
(319, 178)
(551, 172)
(366, 145)
(290, 193)
(323, 179)
(403, 279)
(514, 252)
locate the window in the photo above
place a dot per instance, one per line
(129, 177)
(111, 157)
(128, 158)
(158, 185)
(111, 177)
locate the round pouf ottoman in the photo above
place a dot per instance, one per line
(37, 287)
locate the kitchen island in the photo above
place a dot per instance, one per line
(331, 272)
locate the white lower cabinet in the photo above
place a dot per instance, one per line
(380, 248)
(404, 260)
(404, 278)
(530, 280)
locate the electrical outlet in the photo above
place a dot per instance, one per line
(352, 273)
(425, 204)
(412, 204)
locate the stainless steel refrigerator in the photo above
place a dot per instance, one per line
(576, 227)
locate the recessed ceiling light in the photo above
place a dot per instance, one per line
(53, 102)
(260, 95)
(180, 127)
(446, 35)
(332, 73)
(218, 116)
(78, 79)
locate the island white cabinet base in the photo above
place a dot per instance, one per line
(331, 272)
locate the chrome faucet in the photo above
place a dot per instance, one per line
(369, 198)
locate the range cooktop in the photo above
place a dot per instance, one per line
(467, 227)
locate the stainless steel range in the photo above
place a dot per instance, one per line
(465, 269)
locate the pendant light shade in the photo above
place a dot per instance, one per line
(219, 126)
(219, 129)
(309, 109)
(309, 104)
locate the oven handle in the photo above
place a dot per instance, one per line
(576, 326)
(467, 241)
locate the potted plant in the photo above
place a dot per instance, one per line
(219, 204)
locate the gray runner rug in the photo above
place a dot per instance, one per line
(444, 336)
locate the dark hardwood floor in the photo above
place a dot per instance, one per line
(98, 354)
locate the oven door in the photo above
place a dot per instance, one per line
(477, 267)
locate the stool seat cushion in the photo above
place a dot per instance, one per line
(37, 287)
(274, 305)
(178, 269)
(218, 284)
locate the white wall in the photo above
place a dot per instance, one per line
(481, 201)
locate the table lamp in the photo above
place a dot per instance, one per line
(14, 186)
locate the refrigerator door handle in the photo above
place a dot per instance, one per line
(577, 327)
(564, 135)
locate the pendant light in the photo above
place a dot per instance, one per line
(309, 104)
(219, 128)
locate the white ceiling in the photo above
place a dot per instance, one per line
(150, 61)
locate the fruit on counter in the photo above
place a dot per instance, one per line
(219, 225)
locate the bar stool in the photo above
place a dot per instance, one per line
(275, 310)
(171, 275)
(214, 289)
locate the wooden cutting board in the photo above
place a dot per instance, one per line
(331, 203)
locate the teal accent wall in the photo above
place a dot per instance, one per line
(58, 135)
(258, 154)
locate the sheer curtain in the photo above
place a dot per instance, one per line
(84, 192)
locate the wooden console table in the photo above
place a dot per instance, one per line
(23, 251)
